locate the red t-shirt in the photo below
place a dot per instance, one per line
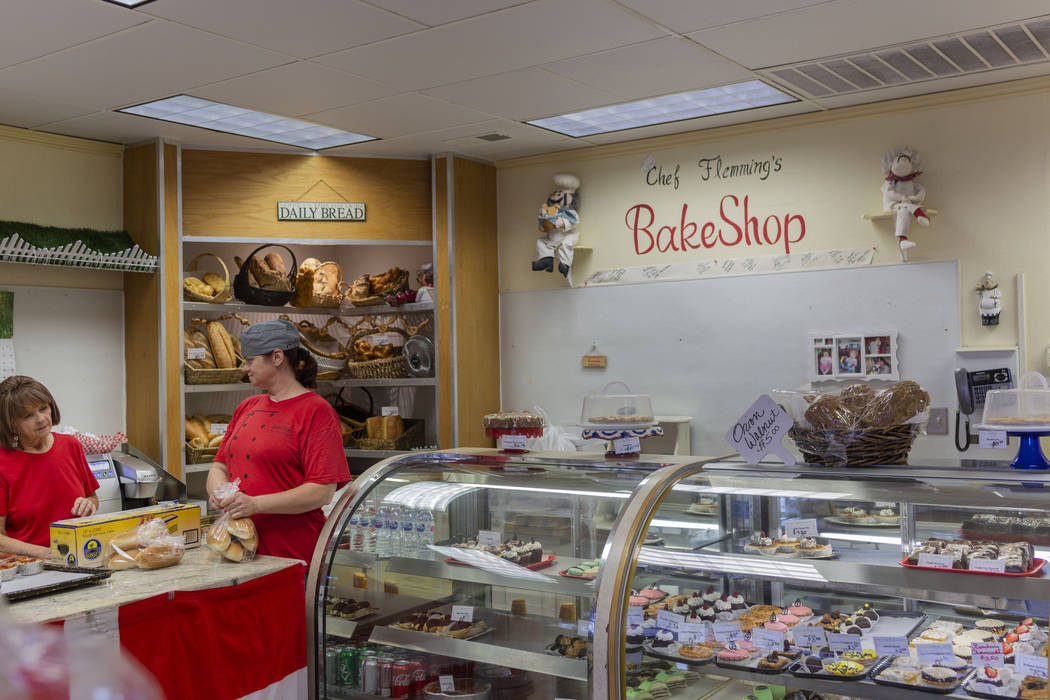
(39, 489)
(274, 446)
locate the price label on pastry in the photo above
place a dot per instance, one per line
(845, 642)
(809, 636)
(936, 561)
(512, 442)
(987, 654)
(935, 653)
(994, 439)
(488, 538)
(447, 683)
(668, 620)
(991, 566)
(196, 353)
(219, 428)
(1030, 665)
(390, 411)
(801, 528)
(627, 446)
(463, 613)
(891, 646)
(691, 632)
(727, 631)
(635, 615)
(770, 640)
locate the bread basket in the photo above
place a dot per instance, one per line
(383, 368)
(360, 292)
(250, 294)
(413, 436)
(202, 455)
(865, 447)
(306, 294)
(221, 297)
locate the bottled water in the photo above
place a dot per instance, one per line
(352, 533)
(393, 524)
(381, 526)
(408, 533)
(424, 534)
(367, 524)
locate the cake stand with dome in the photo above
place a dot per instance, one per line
(619, 417)
(1024, 414)
(510, 429)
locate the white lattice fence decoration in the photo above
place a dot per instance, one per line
(133, 259)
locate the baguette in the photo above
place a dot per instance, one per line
(276, 263)
(199, 340)
(194, 429)
(215, 441)
(203, 421)
(221, 345)
(373, 426)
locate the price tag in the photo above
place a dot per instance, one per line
(885, 504)
(992, 566)
(583, 628)
(196, 353)
(635, 615)
(935, 653)
(390, 411)
(447, 683)
(770, 640)
(668, 620)
(512, 442)
(691, 632)
(891, 646)
(627, 446)
(682, 667)
(219, 428)
(462, 613)
(987, 654)
(936, 561)
(995, 439)
(848, 642)
(801, 528)
(1031, 665)
(809, 636)
(488, 538)
(727, 631)
(380, 339)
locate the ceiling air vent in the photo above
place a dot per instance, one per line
(973, 51)
(494, 137)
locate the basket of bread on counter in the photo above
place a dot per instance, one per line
(859, 426)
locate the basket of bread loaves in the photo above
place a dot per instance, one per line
(211, 288)
(372, 290)
(859, 426)
(392, 433)
(319, 285)
(265, 280)
(203, 436)
(210, 354)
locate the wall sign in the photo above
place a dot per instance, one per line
(870, 354)
(320, 211)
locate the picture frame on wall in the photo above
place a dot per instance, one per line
(868, 355)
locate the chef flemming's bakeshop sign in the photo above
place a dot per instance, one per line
(320, 211)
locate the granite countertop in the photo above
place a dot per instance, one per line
(196, 571)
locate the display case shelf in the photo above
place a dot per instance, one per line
(245, 387)
(374, 454)
(559, 585)
(413, 308)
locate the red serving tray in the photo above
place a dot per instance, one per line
(547, 560)
(1037, 564)
(582, 578)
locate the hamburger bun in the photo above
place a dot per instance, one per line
(159, 555)
(126, 540)
(251, 544)
(125, 559)
(241, 528)
(234, 552)
(218, 538)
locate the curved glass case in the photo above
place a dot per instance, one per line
(475, 565)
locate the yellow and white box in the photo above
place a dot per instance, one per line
(85, 541)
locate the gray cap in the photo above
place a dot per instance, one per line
(267, 336)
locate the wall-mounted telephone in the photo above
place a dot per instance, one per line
(971, 388)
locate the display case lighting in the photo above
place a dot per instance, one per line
(683, 524)
(216, 116)
(735, 97)
(728, 564)
(129, 3)
(781, 493)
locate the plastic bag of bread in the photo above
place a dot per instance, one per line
(235, 539)
(900, 404)
(149, 546)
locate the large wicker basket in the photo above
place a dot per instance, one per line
(202, 455)
(222, 297)
(855, 448)
(382, 368)
(250, 294)
(229, 375)
(326, 361)
(413, 436)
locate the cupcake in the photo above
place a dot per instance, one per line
(662, 640)
(723, 607)
(681, 608)
(710, 595)
(635, 635)
(649, 626)
(736, 601)
(799, 610)
(706, 613)
(811, 548)
(695, 602)
(888, 516)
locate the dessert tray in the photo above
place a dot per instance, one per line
(869, 522)
(547, 560)
(878, 675)
(1037, 564)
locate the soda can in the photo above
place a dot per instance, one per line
(386, 673)
(331, 665)
(401, 679)
(370, 676)
(348, 668)
(362, 655)
(419, 676)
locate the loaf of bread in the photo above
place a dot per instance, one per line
(215, 282)
(374, 427)
(221, 346)
(856, 396)
(828, 413)
(391, 427)
(218, 538)
(195, 338)
(196, 430)
(198, 287)
(896, 405)
(241, 528)
(235, 552)
(270, 272)
(159, 555)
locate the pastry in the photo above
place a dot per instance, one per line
(773, 661)
(652, 594)
(736, 601)
(637, 601)
(887, 515)
(517, 606)
(360, 581)
(938, 676)
(854, 514)
(865, 657)
(799, 610)
(856, 396)
(895, 405)
(842, 667)
(991, 625)
(635, 635)
(761, 544)
(662, 640)
(732, 653)
(829, 413)
(1033, 687)
(505, 420)
(711, 595)
(786, 544)
(989, 677)
(811, 548)
(566, 611)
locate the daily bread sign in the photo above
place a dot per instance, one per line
(320, 211)
(760, 430)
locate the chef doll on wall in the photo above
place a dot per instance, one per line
(558, 222)
(902, 195)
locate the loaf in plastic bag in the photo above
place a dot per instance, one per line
(233, 538)
(149, 546)
(857, 406)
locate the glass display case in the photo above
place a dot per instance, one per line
(477, 566)
(874, 582)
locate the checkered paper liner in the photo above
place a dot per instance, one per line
(100, 444)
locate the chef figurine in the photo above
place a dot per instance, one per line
(988, 296)
(558, 223)
(902, 195)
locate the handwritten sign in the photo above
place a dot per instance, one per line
(219, 428)
(987, 654)
(760, 430)
(320, 211)
(627, 446)
(936, 561)
(727, 631)
(992, 566)
(668, 620)
(512, 442)
(935, 653)
(1031, 665)
(770, 640)
(462, 613)
(488, 538)
(801, 528)
(891, 646)
(196, 353)
(810, 636)
(635, 615)
(845, 642)
(447, 683)
(994, 439)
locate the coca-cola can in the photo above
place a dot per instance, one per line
(386, 676)
(419, 676)
(401, 679)
(370, 676)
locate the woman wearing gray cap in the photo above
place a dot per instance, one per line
(285, 445)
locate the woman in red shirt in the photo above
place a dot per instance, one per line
(284, 445)
(44, 476)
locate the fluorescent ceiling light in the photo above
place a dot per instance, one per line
(669, 108)
(215, 116)
(129, 3)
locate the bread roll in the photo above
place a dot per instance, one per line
(125, 540)
(276, 263)
(215, 441)
(374, 427)
(218, 538)
(159, 555)
(250, 544)
(203, 420)
(392, 427)
(235, 552)
(199, 443)
(126, 560)
(215, 282)
(195, 429)
(221, 346)
(241, 528)
(198, 287)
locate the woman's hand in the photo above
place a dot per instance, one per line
(83, 507)
(41, 553)
(241, 505)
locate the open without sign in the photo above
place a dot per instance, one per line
(320, 211)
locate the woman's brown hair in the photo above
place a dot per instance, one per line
(19, 395)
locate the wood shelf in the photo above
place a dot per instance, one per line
(245, 387)
(887, 216)
(200, 306)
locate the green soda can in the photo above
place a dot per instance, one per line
(349, 666)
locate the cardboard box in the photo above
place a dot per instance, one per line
(85, 541)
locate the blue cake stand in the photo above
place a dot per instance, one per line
(1030, 453)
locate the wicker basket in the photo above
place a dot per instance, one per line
(855, 448)
(413, 436)
(326, 361)
(306, 297)
(381, 368)
(202, 455)
(222, 297)
(361, 299)
(251, 294)
(229, 375)
(353, 431)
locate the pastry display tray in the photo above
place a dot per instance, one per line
(1037, 564)
(888, 661)
(799, 670)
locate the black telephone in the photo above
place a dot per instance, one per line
(972, 388)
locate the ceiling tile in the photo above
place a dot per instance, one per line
(302, 29)
(154, 60)
(122, 128)
(397, 116)
(688, 15)
(651, 68)
(518, 37)
(850, 25)
(32, 29)
(435, 13)
(295, 89)
(33, 107)
(524, 94)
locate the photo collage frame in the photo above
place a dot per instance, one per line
(864, 355)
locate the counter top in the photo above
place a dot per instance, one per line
(196, 571)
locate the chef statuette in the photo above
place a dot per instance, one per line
(988, 297)
(902, 195)
(558, 223)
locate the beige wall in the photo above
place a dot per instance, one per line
(985, 169)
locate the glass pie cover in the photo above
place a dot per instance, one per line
(1024, 408)
(615, 408)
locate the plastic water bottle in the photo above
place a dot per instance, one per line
(366, 524)
(393, 523)
(381, 526)
(425, 534)
(353, 532)
(408, 533)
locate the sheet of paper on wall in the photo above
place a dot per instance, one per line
(7, 340)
